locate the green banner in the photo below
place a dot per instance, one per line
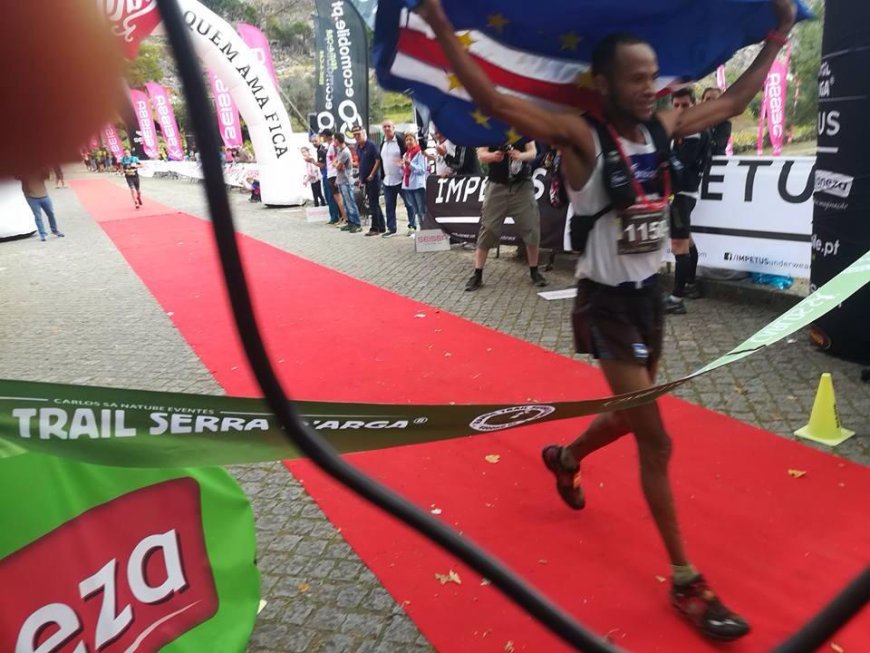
(132, 428)
(101, 558)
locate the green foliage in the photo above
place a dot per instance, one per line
(746, 140)
(806, 59)
(298, 36)
(147, 67)
(233, 10)
(299, 89)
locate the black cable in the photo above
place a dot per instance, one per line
(308, 441)
(831, 618)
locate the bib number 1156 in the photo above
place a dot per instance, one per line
(641, 232)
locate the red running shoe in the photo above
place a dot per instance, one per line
(697, 603)
(567, 480)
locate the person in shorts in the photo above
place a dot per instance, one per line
(618, 316)
(131, 166)
(509, 193)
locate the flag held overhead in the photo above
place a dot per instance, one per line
(543, 54)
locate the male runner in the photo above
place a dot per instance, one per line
(131, 167)
(618, 316)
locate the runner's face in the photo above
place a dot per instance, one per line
(631, 89)
(389, 129)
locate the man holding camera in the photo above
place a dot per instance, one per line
(509, 193)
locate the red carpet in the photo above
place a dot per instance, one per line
(776, 547)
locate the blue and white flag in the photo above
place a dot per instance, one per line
(541, 51)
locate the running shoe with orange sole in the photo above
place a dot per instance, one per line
(703, 609)
(567, 480)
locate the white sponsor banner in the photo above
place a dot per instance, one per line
(236, 174)
(755, 214)
(16, 218)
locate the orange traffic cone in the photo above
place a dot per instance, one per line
(824, 423)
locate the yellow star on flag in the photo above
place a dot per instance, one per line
(465, 40)
(570, 41)
(453, 81)
(584, 79)
(512, 136)
(497, 22)
(480, 118)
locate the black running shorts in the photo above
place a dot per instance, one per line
(681, 216)
(133, 181)
(614, 323)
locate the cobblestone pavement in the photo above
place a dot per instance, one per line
(71, 311)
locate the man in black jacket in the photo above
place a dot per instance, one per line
(693, 152)
(721, 133)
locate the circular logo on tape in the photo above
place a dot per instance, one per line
(508, 417)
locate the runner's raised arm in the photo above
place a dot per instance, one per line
(738, 96)
(559, 129)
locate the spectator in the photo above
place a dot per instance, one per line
(35, 193)
(509, 192)
(343, 164)
(414, 175)
(321, 162)
(454, 160)
(392, 151)
(331, 188)
(313, 178)
(693, 153)
(721, 133)
(370, 178)
(253, 184)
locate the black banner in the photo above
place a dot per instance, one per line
(841, 217)
(342, 76)
(453, 205)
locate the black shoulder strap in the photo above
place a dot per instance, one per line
(604, 138)
(660, 137)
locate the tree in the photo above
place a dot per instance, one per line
(806, 59)
(298, 37)
(299, 89)
(147, 67)
(233, 10)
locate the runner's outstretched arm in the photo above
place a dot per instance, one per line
(738, 96)
(558, 129)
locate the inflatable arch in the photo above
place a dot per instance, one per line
(221, 49)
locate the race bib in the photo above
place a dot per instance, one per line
(642, 228)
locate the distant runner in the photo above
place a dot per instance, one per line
(131, 167)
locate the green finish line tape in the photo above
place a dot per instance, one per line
(132, 428)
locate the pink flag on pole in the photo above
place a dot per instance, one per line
(142, 109)
(720, 78)
(257, 41)
(776, 99)
(762, 116)
(166, 118)
(227, 114)
(722, 83)
(112, 141)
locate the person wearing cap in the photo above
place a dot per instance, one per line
(370, 178)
